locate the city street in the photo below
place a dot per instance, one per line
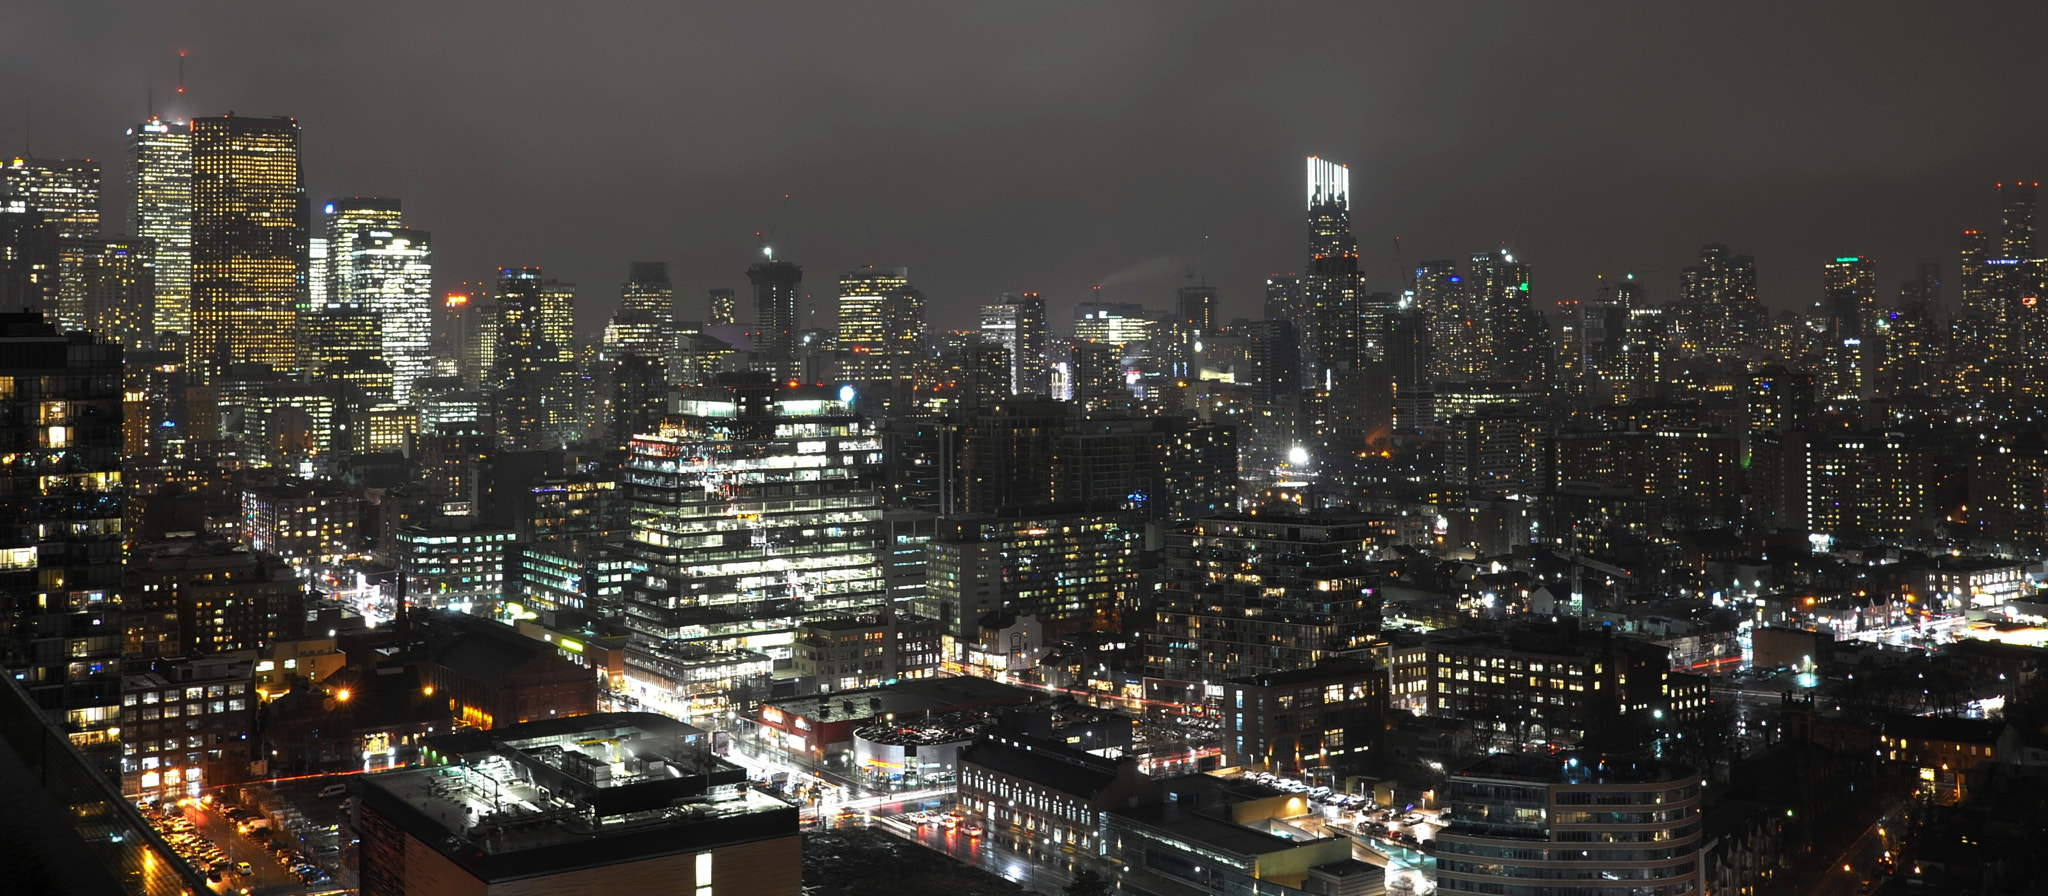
(1846, 875)
(1038, 871)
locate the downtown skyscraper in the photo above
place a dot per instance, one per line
(1719, 298)
(65, 191)
(1016, 321)
(646, 319)
(881, 324)
(535, 359)
(160, 182)
(380, 268)
(777, 286)
(1334, 290)
(249, 243)
(2016, 219)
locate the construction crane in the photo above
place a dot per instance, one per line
(767, 239)
(1407, 273)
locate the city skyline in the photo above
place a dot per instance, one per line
(1843, 152)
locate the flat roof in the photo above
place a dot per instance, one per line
(1568, 769)
(566, 793)
(917, 695)
(1213, 833)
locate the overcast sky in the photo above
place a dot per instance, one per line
(995, 147)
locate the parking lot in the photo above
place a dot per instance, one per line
(263, 840)
(1355, 812)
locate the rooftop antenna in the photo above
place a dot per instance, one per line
(181, 72)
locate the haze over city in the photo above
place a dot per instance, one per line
(1053, 147)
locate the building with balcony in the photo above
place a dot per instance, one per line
(1560, 825)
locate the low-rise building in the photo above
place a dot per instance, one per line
(492, 675)
(448, 565)
(844, 653)
(304, 523)
(823, 725)
(1330, 715)
(605, 803)
(1030, 790)
(1942, 749)
(221, 595)
(187, 723)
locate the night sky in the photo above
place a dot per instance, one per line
(1033, 146)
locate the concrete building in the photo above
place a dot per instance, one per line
(302, 523)
(845, 653)
(1522, 825)
(1333, 715)
(1030, 790)
(215, 595)
(601, 804)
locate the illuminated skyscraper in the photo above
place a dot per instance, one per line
(881, 324)
(60, 523)
(723, 308)
(249, 232)
(1719, 298)
(1459, 338)
(776, 294)
(1976, 249)
(1849, 302)
(106, 287)
(1850, 297)
(2016, 219)
(1112, 323)
(342, 222)
(390, 275)
(1017, 323)
(160, 167)
(646, 319)
(1333, 288)
(1520, 338)
(66, 191)
(535, 360)
(729, 555)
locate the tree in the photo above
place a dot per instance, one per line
(1088, 882)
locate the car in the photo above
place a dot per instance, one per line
(244, 868)
(972, 830)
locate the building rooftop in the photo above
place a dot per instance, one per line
(1339, 668)
(1566, 769)
(912, 696)
(1938, 728)
(566, 793)
(1057, 766)
(1208, 832)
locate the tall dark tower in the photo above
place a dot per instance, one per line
(2016, 219)
(1519, 347)
(1334, 290)
(249, 251)
(1976, 248)
(1197, 308)
(776, 285)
